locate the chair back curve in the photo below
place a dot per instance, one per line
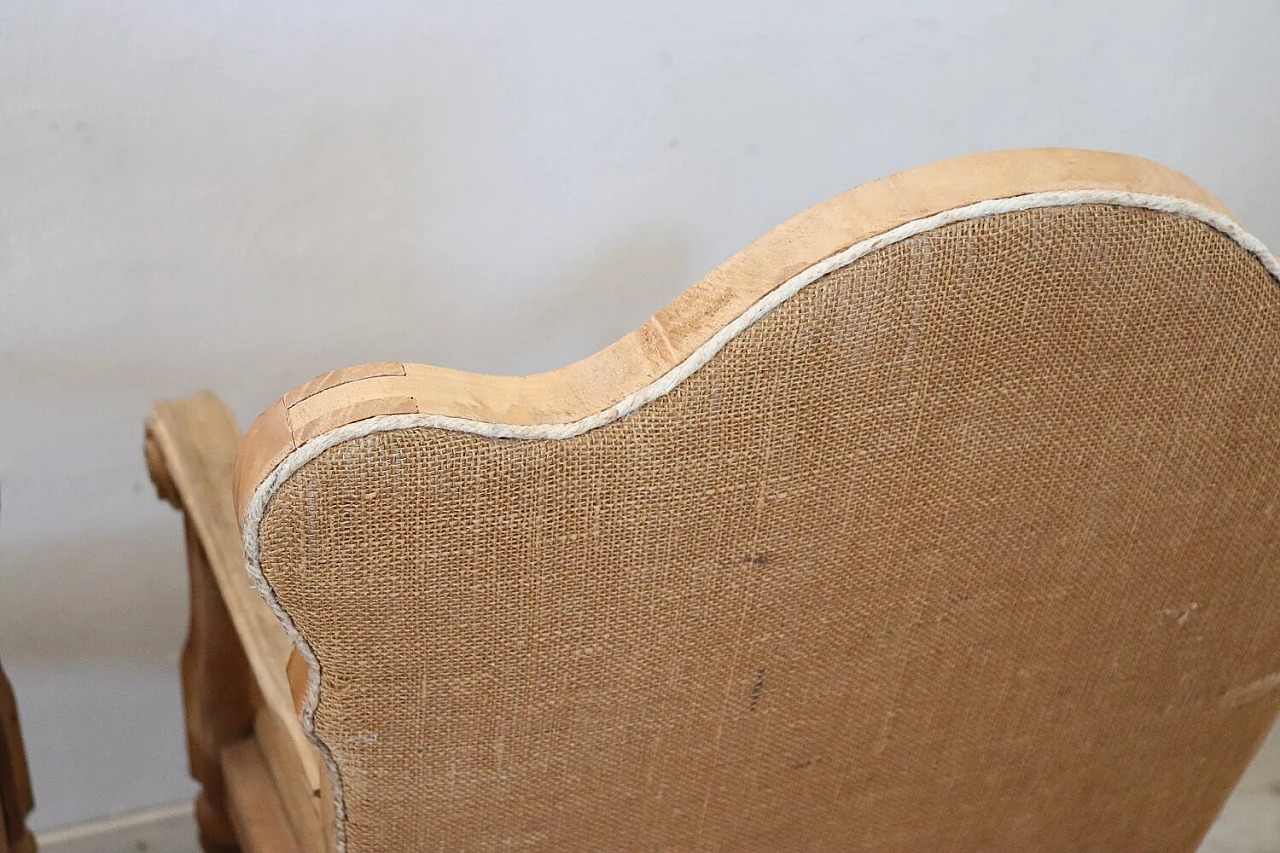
(944, 517)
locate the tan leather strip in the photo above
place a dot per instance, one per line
(334, 378)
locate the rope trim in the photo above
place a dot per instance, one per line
(662, 386)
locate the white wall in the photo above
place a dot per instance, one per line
(239, 196)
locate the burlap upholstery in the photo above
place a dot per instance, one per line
(970, 545)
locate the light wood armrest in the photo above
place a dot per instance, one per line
(234, 663)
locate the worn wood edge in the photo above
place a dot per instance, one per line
(600, 381)
(254, 802)
(190, 447)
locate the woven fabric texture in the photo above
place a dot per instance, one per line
(970, 545)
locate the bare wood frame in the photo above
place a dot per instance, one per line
(261, 781)
(263, 785)
(16, 801)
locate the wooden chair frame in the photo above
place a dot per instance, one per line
(263, 787)
(16, 801)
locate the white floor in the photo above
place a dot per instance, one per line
(165, 830)
(1250, 823)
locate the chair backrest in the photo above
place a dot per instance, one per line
(944, 517)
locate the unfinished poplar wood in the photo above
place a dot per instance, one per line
(601, 380)
(254, 802)
(298, 796)
(235, 682)
(16, 800)
(216, 689)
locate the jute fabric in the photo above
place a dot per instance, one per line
(969, 545)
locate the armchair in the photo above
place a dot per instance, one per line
(942, 517)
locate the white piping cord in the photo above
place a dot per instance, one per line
(662, 386)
